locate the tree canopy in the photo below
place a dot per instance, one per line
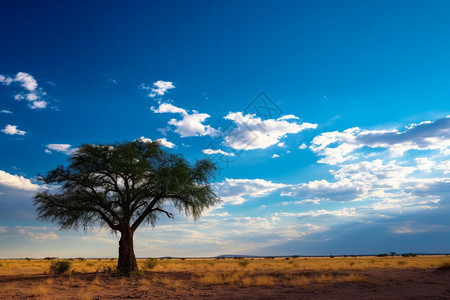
(122, 186)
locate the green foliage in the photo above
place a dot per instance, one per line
(150, 263)
(138, 177)
(60, 267)
(243, 263)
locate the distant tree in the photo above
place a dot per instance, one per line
(122, 186)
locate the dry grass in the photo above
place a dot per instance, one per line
(172, 283)
(39, 266)
(264, 280)
(40, 291)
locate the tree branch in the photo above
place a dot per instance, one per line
(169, 215)
(144, 214)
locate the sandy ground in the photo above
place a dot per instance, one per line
(378, 284)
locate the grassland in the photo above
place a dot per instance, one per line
(312, 277)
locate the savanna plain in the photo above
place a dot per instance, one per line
(351, 277)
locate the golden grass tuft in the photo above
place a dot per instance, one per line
(41, 292)
(301, 281)
(264, 280)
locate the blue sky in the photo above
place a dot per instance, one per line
(330, 121)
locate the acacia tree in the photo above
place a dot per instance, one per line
(122, 186)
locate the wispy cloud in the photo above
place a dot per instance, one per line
(5, 111)
(337, 147)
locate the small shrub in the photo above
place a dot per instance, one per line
(243, 262)
(60, 267)
(332, 256)
(50, 258)
(401, 263)
(409, 255)
(444, 266)
(382, 255)
(1, 265)
(150, 263)
(109, 269)
(351, 264)
(294, 256)
(90, 264)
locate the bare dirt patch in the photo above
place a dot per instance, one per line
(377, 283)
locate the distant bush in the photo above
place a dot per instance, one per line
(80, 258)
(1, 265)
(332, 256)
(409, 255)
(294, 256)
(243, 262)
(60, 267)
(150, 263)
(50, 258)
(27, 258)
(382, 255)
(444, 266)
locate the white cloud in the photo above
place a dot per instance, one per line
(191, 124)
(288, 117)
(423, 136)
(6, 80)
(218, 151)
(302, 146)
(17, 182)
(444, 166)
(32, 92)
(12, 130)
(27, 81)
(63, 148)
(168, 108)
(424, 164)
(5, 111)
(344, 212)
(252, 132)
(159, 88)
(163, 142)
(275, 156)
(38, 104)
(235, 191)
(37, 233)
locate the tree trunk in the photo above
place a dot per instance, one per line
(127, 260)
